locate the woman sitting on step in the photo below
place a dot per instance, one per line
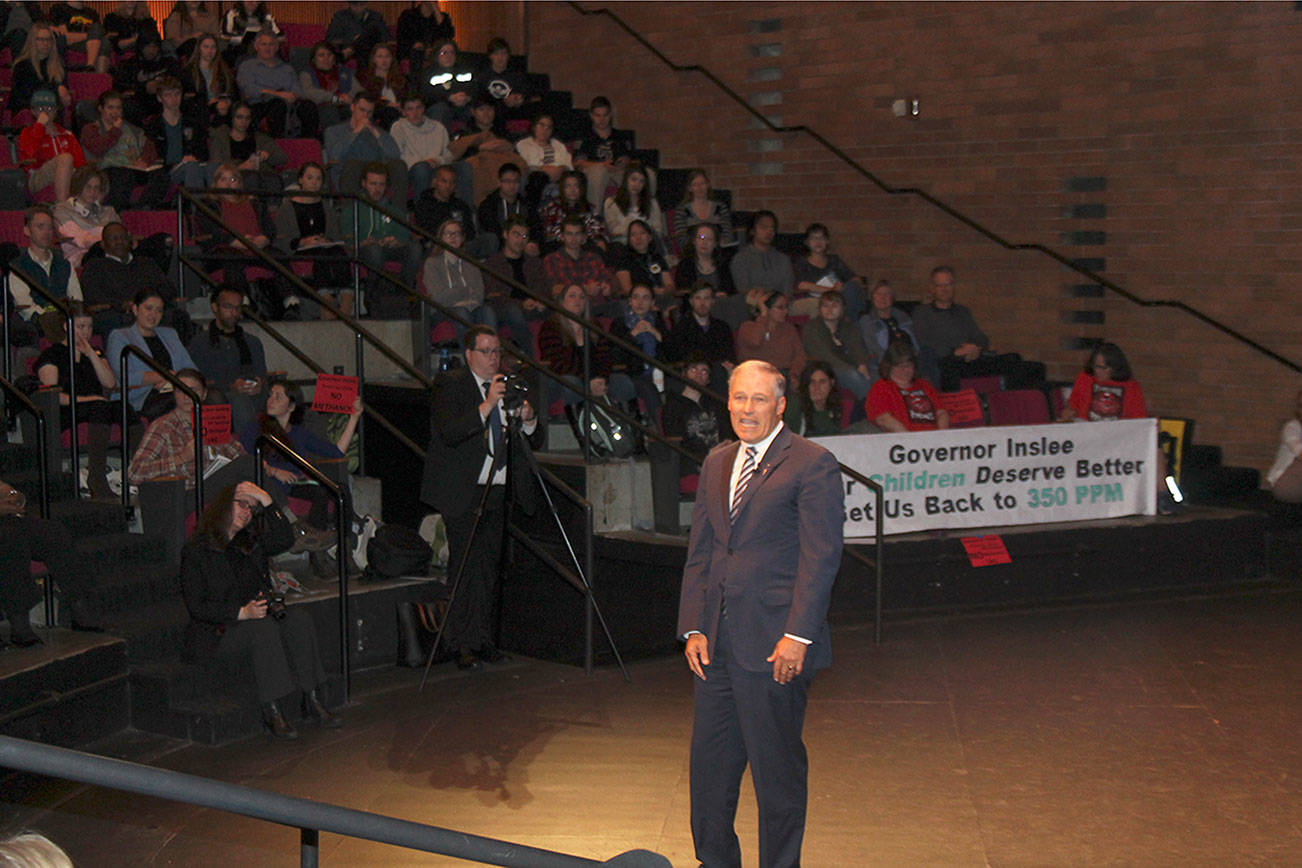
(234, 612)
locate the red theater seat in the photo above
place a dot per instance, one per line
(1018, 407)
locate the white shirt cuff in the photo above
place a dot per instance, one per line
(800, 639)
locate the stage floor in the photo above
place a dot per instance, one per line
(1158, 733)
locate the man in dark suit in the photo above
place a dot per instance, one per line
(467, 428)
(763, 554)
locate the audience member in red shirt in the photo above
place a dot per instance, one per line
(1105, 390)
(900, 400)
(47, 150)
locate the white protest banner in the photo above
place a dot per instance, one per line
(980, 477)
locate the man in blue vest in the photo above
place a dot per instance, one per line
(42, 264)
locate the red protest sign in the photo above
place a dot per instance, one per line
(982, 551)
(963, 407)
(216, 422)
(335, 393)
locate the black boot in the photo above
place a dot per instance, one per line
(276, 723)
(314, 707)
(21, 633)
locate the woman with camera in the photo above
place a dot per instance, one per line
(234, 613)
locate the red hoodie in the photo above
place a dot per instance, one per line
(36, 146)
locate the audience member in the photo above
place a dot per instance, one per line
(381, 239)
(901, 401)
(453, 283)
(148, 391)
(180, 138)
(818, 271)
(186, 26)
(223, 579)
(759, 265)
(47, 151)
(124, 27)
(207, 80)
(701, 206)
(25, 538)
(138, 79)
(78, 27)
(81, 218)
(604, 153)
(697, 333)
(633, 201)
(833, 339)
(95, 381)
(352, 144)
(499, 81)
(516, 308)
(572, 203)
(329, 84)
(229, 251)
(770, 338)
(640, 324)
(701, 265)
(17, 18)
(307, 226)
(125, 155)
(696, 420)
(242, 24)
(38, 67)
(382, 78)
(42, 262)
(482, 149)
(422, 143)
(884, 323)
(447, 84)
(232, 359)
(547, 158)
(420, 28)
(573, 264)
(641, 263)
(111, 281)
(505, 203)
(32, 849)
(355, 30)
(561, 347)
(1285, 474)
(440, 203)
(815, 409)
(256, 155)
(950, 333)
(1105, 390)
(270, 86)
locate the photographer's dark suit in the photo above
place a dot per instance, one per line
(460, 441)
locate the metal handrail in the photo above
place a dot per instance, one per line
(62, 305)
(892, 190)
(309, 816)
(43, 468)
(341, 534)
(196, 412)
(305, 359)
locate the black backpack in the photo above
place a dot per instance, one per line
(397, 551)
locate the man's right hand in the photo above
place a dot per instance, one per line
(496, 392)
(253, 610)
(698, 654)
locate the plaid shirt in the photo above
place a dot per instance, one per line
(167, 449)
(560, 270)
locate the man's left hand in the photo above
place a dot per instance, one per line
(788, 659)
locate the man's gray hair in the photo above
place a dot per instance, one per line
(779, 379)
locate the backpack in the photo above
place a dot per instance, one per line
(607, 436)
(397, 551)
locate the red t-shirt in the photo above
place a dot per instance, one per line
(1104, 400)
(915, 406)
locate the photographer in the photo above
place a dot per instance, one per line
(234, 613)
(470, 407)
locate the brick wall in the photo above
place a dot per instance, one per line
(1183, 121)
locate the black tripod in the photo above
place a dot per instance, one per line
(515, 436)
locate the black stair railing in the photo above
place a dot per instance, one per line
(948, 209)
(13, 393)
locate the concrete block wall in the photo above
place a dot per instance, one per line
(1171, 129)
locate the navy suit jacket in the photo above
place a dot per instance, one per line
(776, 565)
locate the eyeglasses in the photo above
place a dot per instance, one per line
(496, 351)
(251, 507)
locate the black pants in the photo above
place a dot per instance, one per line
(470, 620)
(742, 717)
(284, 653)
(123, 181)
(276, 111)
(27, 539)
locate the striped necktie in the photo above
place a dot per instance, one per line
(743, 480)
